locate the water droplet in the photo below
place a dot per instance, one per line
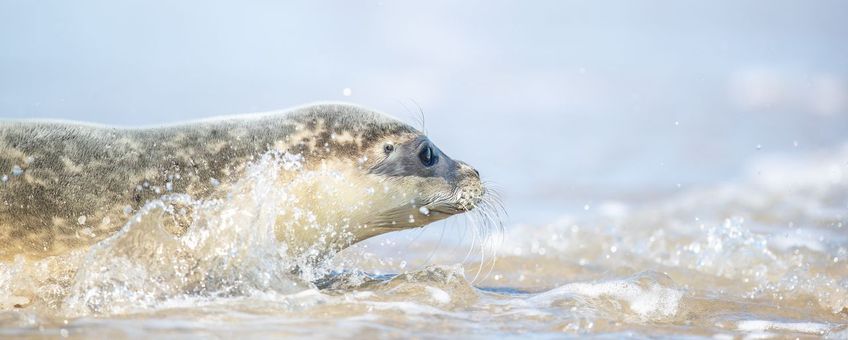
(424, 211)
(759, 146)
(81, 220)
(347, 92)
(87, 232)
(17, 171)
(586, 207)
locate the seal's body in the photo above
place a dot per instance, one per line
(67, 185)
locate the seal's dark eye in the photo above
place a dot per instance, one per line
(388, 148)
(428, 156)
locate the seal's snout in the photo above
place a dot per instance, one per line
(467, 170)
(470, 187)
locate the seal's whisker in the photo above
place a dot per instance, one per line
(488, 213)
(493, 196)
(489, 221)
(414, 239)
(497, 238)
(473, 238)
(488, 210)
(461, 238)
(421, 113)
(476, 238)
(479, 217)
(438, 245)
(475, 217)
(419, 116)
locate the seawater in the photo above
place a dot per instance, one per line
(765, 255)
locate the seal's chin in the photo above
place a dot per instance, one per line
(463, 199)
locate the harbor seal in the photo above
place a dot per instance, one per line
(68, 185)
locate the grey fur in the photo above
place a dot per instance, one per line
(403, 161)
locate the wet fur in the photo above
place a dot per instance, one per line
(68, 185)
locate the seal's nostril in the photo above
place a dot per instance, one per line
(476, 172)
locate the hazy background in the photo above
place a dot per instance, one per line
(563, 103)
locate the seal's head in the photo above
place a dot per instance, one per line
(435, 185)
(385, 175)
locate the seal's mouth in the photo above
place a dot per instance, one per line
(462, 200)
(429, 192)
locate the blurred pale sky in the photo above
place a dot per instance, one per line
(558, 101)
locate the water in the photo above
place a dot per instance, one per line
(668, 168)
(763, 256)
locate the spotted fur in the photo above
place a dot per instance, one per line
(66, 185)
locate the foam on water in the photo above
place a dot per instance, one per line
(649, 295)
(799, 327)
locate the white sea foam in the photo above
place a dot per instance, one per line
(650, 295)
(230, 247)
(767, 325)
(438, 295)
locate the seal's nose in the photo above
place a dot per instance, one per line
(464, 167)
